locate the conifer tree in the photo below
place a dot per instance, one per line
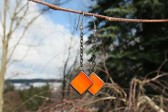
(131, 49)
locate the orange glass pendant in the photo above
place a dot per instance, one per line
(81, 82)
(98, 83)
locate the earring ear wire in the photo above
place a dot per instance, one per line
(94, 23)
(80, 21)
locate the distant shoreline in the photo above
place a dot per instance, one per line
(29, 81)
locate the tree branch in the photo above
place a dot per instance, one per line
(55, 7)
(146, 99)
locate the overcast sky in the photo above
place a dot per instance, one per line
(49, 38)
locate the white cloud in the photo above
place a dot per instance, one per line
(45, 58)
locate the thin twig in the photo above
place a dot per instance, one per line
(146, 99)
(55, 7)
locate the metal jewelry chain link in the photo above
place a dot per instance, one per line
(94, 49)
(81, 46)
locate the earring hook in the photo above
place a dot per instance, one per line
(81, 23)
(94, 22)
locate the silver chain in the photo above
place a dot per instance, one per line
(94, 49)
(81, 46)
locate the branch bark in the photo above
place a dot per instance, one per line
(146, 99)
(55, 7)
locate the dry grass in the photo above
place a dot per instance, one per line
(114, 98)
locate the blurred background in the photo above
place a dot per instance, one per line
(40, 56)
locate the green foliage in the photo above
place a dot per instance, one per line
(9, 88)
(132, 49)
(35, 96)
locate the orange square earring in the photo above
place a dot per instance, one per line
(81, 82)
(98, 83)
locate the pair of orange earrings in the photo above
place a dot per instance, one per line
(82, 82)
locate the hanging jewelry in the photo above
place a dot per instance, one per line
(98, 83)
(81, 82)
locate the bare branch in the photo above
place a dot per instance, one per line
(146, 99)
(99, 16)
(22, 35)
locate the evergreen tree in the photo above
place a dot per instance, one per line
(131, 49)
